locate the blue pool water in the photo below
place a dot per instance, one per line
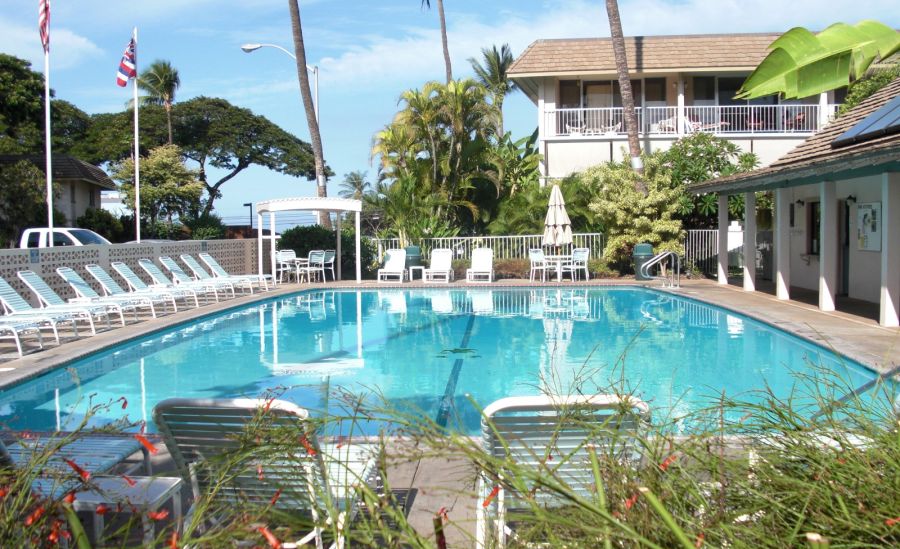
(425, 350)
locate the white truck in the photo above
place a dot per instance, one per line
(38, 237)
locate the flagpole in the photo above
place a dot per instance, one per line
(137, 154)
(49, 162)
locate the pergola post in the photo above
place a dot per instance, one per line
(750, 241)
(889, 303)
(358, 260)
(828, 245)
(259, 247)
(338, 247)
(723, 239)
(272, 247)
(782, 244)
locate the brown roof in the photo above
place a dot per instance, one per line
(815, 158)
(645, 53)
(65, 168)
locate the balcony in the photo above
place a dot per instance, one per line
(717, 119)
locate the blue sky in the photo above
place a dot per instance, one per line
(368, 53)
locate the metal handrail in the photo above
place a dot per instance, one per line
(674, 278)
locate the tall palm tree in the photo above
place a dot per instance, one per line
(492, 74)
(160, 81)
(618, 44)
(440, 5)
(354, 186)
(314, 136)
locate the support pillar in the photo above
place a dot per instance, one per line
(723, 239)
(828, 245)
(782, 241)
(681, 115)
(358, 260)
(259, 248)
(337, 258)
(750, 241)
(889, 306)
(272, 245)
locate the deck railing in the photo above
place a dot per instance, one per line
(505, 247)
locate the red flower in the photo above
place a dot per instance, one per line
(268, 404)
(129, 480)
(124, 402)
(34, 516)
(85, 475)
(275, 497)
(664, 466)
(700, 539)
(146, 444)
(259, 472)
(69, 498)
(173, 541)
(101, 509)
(629, 503)
(892, 521)
(491, 496)
(270, 537)
(158, 515)
(309, 449)
(443, 513)
(4, 490)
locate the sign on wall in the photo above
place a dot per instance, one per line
(868, 226)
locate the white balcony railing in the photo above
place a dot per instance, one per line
(718, 119)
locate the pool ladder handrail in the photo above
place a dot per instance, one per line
(670, 280)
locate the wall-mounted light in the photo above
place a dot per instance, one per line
(800, 202)
(851, 199)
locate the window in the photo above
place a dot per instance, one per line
(728, 88)
(60, 239)
(655, 91)
(569, 94)
(813, 227)
(92, 198)
(705, 90)
(72, 192)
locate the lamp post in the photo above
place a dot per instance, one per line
(250, 205)
(249, 48)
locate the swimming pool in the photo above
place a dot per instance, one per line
(427, 349)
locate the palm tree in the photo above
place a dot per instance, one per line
(160, 81)
(314, 136)
(618, 44)
(354, 186)
(440, 5)
(492, 74)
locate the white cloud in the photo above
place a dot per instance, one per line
(67, 49)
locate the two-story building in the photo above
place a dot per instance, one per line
(681, 84)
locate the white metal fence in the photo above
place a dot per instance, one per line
(505, 247)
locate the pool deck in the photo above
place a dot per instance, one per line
(448, 481)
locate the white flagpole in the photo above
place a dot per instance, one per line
(137, 149)
(49, 166)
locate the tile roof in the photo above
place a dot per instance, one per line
(815, 157)
(644, 53)
(66, 168)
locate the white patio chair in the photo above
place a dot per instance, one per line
(482, 269)
(200, 273)
(538, 263)
(286, 264)
(565, 428)
(135, 284)
(441, 268)
(394, 266)
(261, 281)
(330, 256)
(315, 265)
(51, 302)
(577, 264)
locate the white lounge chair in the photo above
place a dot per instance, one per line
(19, 310)
(86, 294)
(112, 288)
(565, 428)
(311, 476)
(160, 279)
(482, 269)
(17, 329)
(201, 275)
(137, 285)
(261, 281)
(394, 266)
(180, 277)
(51, 301)
(441, 268)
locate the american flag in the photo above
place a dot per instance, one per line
(128, 65)
(44, 23)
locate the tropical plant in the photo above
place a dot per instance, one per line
(869, 84)
(354, 186)
(516, 163)
(312, 121)
(168, 188)
(205, 227)
(160, 81)
(801, 64)
(446, 48)
(493, 76)
(631, 128)
(524, 212)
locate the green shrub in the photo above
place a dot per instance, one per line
(302, 239)
(205, 227)
(102, 222)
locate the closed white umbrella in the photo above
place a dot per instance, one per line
(557, 227)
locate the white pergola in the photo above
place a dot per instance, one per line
(313, 204)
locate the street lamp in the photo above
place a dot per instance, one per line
(250, 205)
(249, 48)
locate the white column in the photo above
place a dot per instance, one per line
(259, 247)
(358, 260)
(272, 246)
(828, 245)
(337, 258)
(682, 116)
(723, 239)
(750, 242)
(889, 314)
(782, 240)
(824, 113)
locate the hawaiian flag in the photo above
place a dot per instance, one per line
(44, 23)
(128, 64)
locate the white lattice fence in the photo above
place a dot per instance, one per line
(236, 256)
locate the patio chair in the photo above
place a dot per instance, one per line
(315, 264)
(531, 429)
(261, 280)
(111, 288)
(200, 274)
(180, 277)
(86, 294)
(482, 269)
(577, 264)
(394, 266)
(538, 263)
(17, 329)
(330, 256)
(313, 478)
(441, 268)
(17, 309)
(160, 279)
(137, 285)
(286, 263)
(51, 302)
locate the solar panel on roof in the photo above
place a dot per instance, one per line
(884, 121)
